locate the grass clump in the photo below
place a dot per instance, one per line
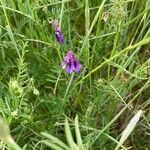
(49, 108)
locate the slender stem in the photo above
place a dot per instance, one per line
(119, 114)
(61, 13)
(114, 48)
(92, 26)
(69, 84)
(87, 26)
(16, 11)
(58, 52)
(127, 49)
(8, 28)
(57, 82)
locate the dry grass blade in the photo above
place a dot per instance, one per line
(128, 130)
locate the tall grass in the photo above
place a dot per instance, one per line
(47, 108)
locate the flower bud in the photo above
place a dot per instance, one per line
(35, 91)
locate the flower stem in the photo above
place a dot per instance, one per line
(69, 84)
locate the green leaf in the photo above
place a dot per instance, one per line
(55, 140)
(78, 135)
(51, 145)
(69, 136)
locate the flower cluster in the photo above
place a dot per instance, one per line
(70, 63)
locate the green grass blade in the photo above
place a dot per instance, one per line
(78, 135)
(69, 135)
(55, 140)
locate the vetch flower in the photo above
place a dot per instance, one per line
(70, 63)
(58, 34)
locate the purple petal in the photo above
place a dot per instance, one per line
(71, 63)
(59, 37)
(78, 67)
(69, 55)
(69, 69)
(63, 65)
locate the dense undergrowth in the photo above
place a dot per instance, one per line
(110, 38)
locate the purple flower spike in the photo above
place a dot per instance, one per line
(70, 63)
(58, 34)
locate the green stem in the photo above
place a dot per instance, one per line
(92, 25)
(8, 28)
(114, 48)
(137, 17)
(69, 84)
(56, 84)
(127, 49)
(119, 114)
(58, 52)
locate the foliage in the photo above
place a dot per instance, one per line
(111, 39)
